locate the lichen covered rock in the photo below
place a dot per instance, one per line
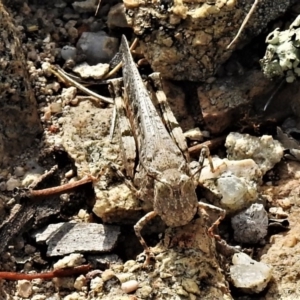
(187, 40)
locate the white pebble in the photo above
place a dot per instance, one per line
(24, 288)
(72, 260)
(129, 286)
(69, 174)
(80, 282)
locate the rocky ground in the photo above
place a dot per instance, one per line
(221, 91)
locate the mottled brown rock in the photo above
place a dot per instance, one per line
(229, 99)
(19, 121)
(187, 40)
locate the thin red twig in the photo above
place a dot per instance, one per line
(47, 275)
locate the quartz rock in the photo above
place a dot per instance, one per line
(96, 72)
(233, 184)
(251, 225)
(264, 150)
(249, 275)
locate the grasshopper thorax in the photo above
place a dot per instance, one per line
(175, 199)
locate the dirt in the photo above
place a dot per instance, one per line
(76, 138)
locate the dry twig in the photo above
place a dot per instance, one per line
(46, 275)
(254, 5)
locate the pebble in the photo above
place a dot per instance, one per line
(96, 72)
(249, 275)
(24, 288)
(19, 171)
(251, 225)
(29, 249)
(85, 6)
(80, 282)
(68, 94)
(129, 286)
(55, 108)
(191, 286)
(12, 183)
(68, 52)
(107, 275)
(72, 260)
(74, 296)
(97, 47)
(3, 186)
(144, 292)
(38, 297)
(116, 17)
(69, 174)
(96, 284)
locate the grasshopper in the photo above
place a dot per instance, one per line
(155, 152)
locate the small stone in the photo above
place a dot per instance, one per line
(249, 275)
(29, 249)
(78, 238)
(97, 47)
(191, 286)
(290, 241)
(96, 72)
(24, 288)
(68, 94)
(68, 52)
(116, 17)
(39, 297)
(88, 6)
(55, 108)
(96, 284)
(74, 102)
(107, 275)
(80, 282)
(69, 174)
(264, 150)
(251, 225)
(124, 277)
(74, 296)
(129, 286)
(19, 171)
(12, 183)
(144, 292)
(3, 186)
(72, 260)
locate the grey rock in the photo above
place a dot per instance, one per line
(116, 17)
(85, 6)
(67, 238)
(251, 225)
(68, 52)
(96, 47)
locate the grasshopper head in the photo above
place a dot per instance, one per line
(175, 199)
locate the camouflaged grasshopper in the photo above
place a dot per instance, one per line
(162, 174)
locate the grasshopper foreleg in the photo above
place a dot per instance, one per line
(138, 228)
(222, 215)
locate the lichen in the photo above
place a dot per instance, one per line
(282, 56)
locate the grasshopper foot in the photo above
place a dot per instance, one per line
(137, 228)
(147, 257)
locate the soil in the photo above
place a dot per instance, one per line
(76, 138)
